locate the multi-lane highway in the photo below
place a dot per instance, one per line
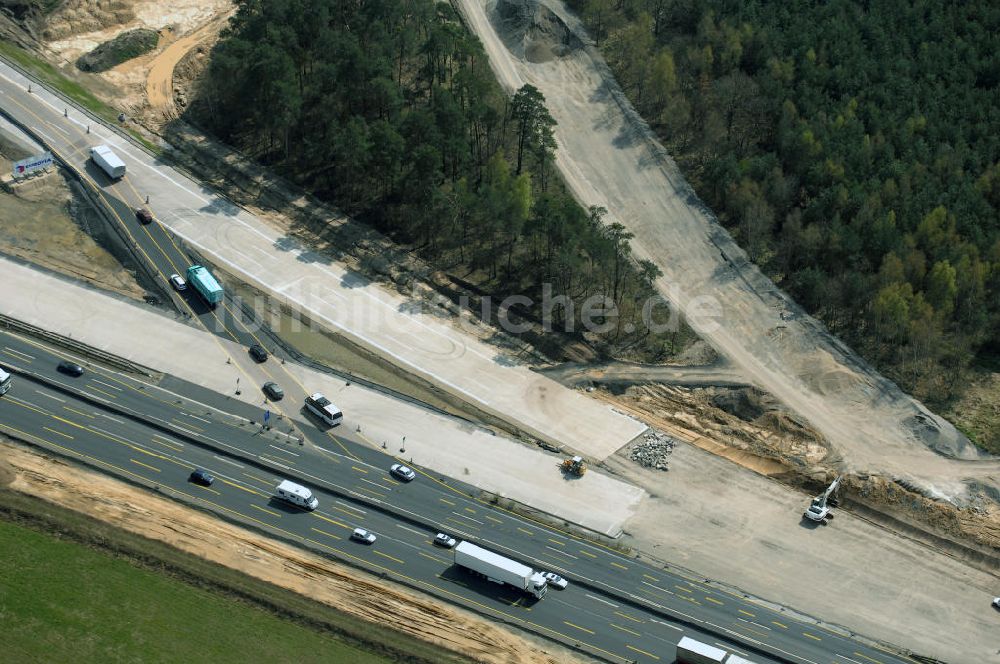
(616, 607)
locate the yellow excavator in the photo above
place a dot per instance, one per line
(575, 466)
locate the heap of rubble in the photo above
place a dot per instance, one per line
(652, 451)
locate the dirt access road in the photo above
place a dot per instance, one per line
(610, 158)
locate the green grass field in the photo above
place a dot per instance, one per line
(61, 601)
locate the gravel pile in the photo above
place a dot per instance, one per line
(652, 451)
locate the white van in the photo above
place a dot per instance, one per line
(108, 161)
(321, 407)
(297, 495)
(4, 381)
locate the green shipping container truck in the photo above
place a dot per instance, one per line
(205, 283)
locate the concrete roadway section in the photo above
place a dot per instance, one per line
(378, 320)
(616, 608)
(451, 446)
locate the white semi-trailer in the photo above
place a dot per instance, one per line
(498, 569)
(108, 161)
(690, 651)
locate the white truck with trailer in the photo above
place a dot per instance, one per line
(499, 569)
(690, 651)
(297, 495)
(108, 161)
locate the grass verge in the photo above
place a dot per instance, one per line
(74, 588)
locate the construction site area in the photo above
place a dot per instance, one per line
(767, 460)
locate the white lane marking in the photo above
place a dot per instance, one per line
(195, 417)
(469, 518)
(17, 352)
(560, 551)
(350, 507)
(231, 463)
(50, 396)
(115, 419)
(679, 629)
(412, 530)
(283, 450)
(106, 384)
(603, 601)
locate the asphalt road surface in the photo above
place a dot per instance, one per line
(616, 607)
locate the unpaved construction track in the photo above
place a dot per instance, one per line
(609, 157)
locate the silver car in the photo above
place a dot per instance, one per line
(363, 536)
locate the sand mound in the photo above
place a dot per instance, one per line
(532, 31)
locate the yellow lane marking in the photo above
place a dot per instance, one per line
(811, 636)
(243, 488)
(642, 652)
(258, 507)
(775, 622)
(526, 532)
(587, 553)
(254, 477)
(386, 555)
(870, 659)
(360, 470)
(712, 599)
(434, 558)
(493, 518)
(97, 389)
(582, 629)
(58, 433)
(617, 565)
(747, 613)
(625, 629)
(78, 412)
(323, 532)
(557, 542)
(470, 510)
(446, 501)
(185, 423)
(651, 578)
(336, 523)
(145, 465)
(628, 617)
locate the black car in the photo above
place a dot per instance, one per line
(258, 353)
(143, 215)
(70, 368)
(273, 391)
(202, 477)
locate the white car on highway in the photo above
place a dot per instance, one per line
(555, 580)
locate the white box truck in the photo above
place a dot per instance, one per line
(297, 495)
(498, 569)
(108, 161)
(690, 651)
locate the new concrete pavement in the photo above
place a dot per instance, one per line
(616, 607)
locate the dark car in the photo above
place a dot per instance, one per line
(202, 477)
(273, 391)
(143, 215)
(258, 353)
(70, 368)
